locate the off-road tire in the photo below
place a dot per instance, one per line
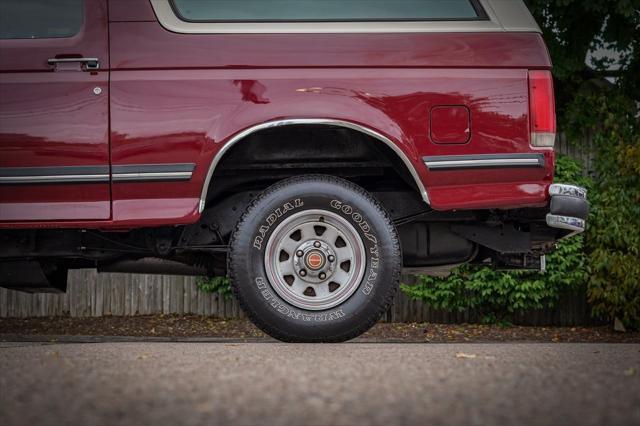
(346, 202)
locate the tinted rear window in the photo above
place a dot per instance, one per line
(325, 10)
(40, 18)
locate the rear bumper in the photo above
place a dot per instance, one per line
(568, 209)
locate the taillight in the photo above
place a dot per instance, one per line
(542, 110)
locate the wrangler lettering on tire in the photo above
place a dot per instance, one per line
(314, 259)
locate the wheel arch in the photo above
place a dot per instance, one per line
(242, 135)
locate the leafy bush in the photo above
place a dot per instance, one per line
(498, 295)
(613, 237)
(220, 285)
(609, 111)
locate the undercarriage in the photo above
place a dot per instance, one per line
(37, 260)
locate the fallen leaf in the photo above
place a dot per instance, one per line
(463, 355)
(630, 372)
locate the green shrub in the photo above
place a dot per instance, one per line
(498, 295)
(220, 285)
(613, 234)
(608, 110)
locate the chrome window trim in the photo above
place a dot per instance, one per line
(476, 6)
(503, 15)
(302, 121)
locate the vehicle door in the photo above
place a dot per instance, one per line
(54, 116)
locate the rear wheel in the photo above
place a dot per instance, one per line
(315, 259)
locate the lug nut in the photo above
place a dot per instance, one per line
(299, 253)
(322, 275)
(303, 272)
(316, 244)
(331, 258)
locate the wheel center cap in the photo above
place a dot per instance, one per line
(314, 260)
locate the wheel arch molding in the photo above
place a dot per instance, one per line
(243, 134)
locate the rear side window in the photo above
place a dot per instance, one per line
(40, 18)
(326, 10)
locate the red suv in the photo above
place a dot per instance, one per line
(310, 150)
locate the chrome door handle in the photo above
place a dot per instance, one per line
(89, 63)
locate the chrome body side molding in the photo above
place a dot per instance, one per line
(315, 121)
(96, 174)
(483, 161)
(152, 172)
(60, 174)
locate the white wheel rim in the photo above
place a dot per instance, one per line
(315, 260)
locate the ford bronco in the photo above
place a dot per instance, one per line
(309, 150)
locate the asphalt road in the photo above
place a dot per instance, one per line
(152, 383)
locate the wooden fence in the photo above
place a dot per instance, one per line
(582, 151)
(93, 294)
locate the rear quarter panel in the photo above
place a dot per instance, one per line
(180, 97)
